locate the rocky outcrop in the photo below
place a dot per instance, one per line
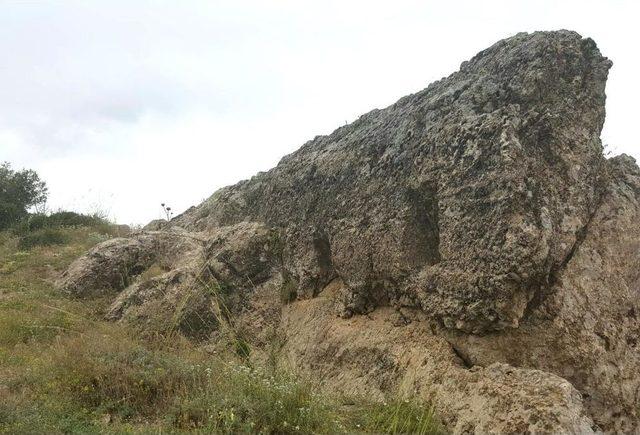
(585, 326)
(374, 354)
(176, 279)
(476, 220)
(462, 199)
(109, 266)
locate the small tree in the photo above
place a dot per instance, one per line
(19, 191)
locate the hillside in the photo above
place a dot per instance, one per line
(468, 248)
(64, 369)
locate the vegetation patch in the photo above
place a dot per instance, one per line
(43, 237)
(398, 417)
(63, 219)
(288, 290)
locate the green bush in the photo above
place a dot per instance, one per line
(43, 237)
(19, 191)
(63, 219)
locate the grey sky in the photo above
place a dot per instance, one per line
(121, 105)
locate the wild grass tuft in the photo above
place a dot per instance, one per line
(399, 417)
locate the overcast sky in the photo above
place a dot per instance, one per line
(122, 105)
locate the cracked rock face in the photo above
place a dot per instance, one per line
(481, 208)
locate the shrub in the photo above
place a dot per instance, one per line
(38, 224)
(43, 237)
(63, 219)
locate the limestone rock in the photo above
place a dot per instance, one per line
(461, 199)
(585, 326)
(108, 267)
(368, 355)
(194, 271)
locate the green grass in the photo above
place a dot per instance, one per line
(65, 370)
(43, 237)
(398, 417)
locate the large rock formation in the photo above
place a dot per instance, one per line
(476, 223)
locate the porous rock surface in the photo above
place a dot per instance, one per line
(469, 244)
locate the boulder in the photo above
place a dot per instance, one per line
(108, 267)
(463, 199)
